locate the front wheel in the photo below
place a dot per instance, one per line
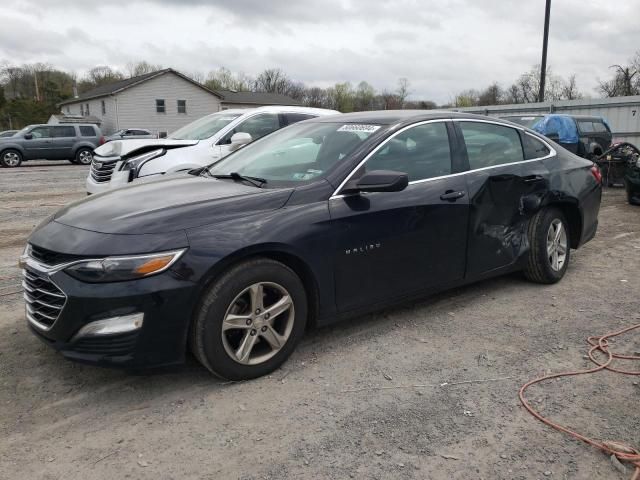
(250, 320)
(549, 247)
(11, 158)
(84, 156)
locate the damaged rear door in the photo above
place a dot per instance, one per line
(503, 189)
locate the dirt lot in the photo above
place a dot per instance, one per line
(63, 420)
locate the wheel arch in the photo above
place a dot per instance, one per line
(279, 253)
(573, 215)
(78, 146)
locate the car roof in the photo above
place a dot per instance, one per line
(391, 117)
(576, 117)
(280, 109)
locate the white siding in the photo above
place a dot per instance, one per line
(136, 106)
(109, 123)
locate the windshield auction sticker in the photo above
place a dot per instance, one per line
(359, 128)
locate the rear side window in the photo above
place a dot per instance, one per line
(66, 131)
(421, 152)
(297, 117)
(489, 145)
(533, 148)
(87, 131)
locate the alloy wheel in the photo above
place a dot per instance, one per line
(85, 157)
(258, 323)
(557, 245)
(11, 159)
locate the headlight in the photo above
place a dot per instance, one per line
(118, 269)
(135, 163)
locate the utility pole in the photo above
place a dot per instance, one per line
(545, 42)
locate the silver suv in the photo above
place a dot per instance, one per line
(51, 142)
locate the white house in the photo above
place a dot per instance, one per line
(161, 102)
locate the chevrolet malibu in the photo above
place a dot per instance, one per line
(321, 221)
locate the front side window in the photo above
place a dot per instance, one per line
(257, 126)
(297, 117)
(421, 152)
(160, 105)
(41, 132)
(586, 126)
(298, 154)
(489, 145)
(182, 106)
(204, 127)
(60, 132)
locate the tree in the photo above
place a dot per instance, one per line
(315, 97)
(625, 81)
(402, 92)
(467, 98)
(98, 76)
(492, 95)
(225, 79)
(135, 69)
(570, 89)
(341, 97)
(364, 97)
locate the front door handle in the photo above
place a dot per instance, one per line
(533, 178)
(451, 196)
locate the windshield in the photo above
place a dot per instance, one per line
(204, 127)
(297, 154)
(528, 121)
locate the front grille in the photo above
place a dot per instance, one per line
(101, 172)
(49, 257)
(43, 298)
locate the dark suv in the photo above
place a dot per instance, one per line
(51, 142)
(583, 135)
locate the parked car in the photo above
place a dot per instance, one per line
(51, 142)
(195, 145)
(583, 135)
(317, 222)
(8, 133)
(129, 133)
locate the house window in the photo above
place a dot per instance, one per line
(86, 109)
(160, 105)
(81, 110)
(104, 108)
(182, 106)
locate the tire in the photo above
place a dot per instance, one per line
(84, 156)
(232, 302)
(11, 158)
(542, 265)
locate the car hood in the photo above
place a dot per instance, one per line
(120, 148)
(172, 203)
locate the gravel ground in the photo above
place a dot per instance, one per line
(343, 406)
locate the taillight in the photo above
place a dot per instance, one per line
(597, 174)
(102, 139)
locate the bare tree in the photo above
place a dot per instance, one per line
(364, 97)
(402, 92)
(143, 67)
(492, 95)
(570, 89)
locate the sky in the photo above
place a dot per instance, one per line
(441, 46)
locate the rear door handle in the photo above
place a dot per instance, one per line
(451, 196)
(533, 178)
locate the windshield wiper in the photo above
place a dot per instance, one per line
(255, 181)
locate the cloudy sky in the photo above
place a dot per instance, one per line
(441, 46)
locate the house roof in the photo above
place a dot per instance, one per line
(61, 118)
(256, 98)
(116, 87)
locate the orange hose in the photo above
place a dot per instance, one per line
(623, 452)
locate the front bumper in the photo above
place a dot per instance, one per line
(165, 300)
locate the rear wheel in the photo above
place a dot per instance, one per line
(11, 158)
(550, 250)
(250, 320)
(84, 156)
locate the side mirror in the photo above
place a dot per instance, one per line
(239, 139)
(28, 136)
(379, 181)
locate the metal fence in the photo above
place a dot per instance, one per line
(622, 113)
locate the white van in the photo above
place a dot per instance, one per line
(200, 143)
